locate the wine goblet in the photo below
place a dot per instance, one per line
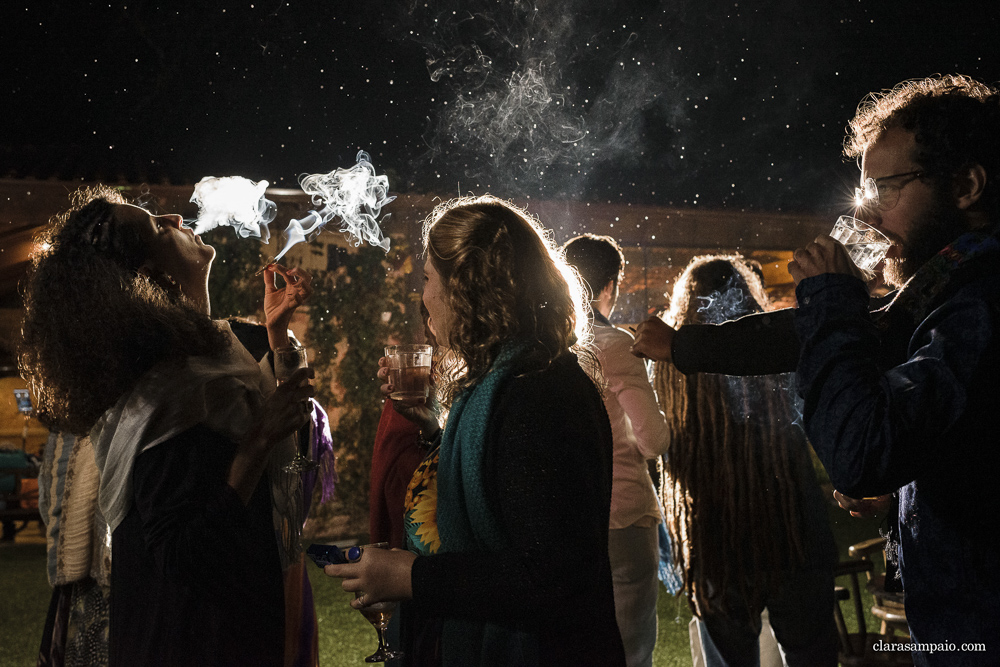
(379, 614)
(287, 360)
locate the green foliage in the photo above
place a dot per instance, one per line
(361, 304)
(233, 288)
(355, 309)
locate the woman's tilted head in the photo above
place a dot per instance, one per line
(494, 276)
(100, 310)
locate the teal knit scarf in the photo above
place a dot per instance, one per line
(466, 522)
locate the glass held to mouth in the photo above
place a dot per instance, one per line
(865, 245)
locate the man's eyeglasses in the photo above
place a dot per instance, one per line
(883, 196)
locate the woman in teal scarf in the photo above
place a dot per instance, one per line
(507, 518)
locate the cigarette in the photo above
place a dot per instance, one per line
(261, 269)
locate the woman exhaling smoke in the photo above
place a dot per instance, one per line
(509, 559)
(188, 431)
(748, 522)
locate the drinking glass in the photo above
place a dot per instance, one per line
(379, 614)
(409, 371)
(865, 245)
(287, 360)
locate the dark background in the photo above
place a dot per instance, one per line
(737, 105)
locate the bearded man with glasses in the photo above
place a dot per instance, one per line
(901, 401)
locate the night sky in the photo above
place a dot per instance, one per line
(735, 105)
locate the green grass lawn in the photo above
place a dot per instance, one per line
(345, 638)
(24, 601)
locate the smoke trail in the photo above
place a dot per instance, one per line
(730, 304)
(233, 201)
(749, 396)
(541, 94)
(354, 195)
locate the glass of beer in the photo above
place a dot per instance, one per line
(865, 245)
(409, 371)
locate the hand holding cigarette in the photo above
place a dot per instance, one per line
(653, 340)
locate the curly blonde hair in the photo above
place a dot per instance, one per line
(93, 323)
(504, 280)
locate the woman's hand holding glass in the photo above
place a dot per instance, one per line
(420, 411)
(280, 304)
(380, 575)
(378, 579)
(287, 409)
(284, 412)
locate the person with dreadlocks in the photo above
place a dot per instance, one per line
(742, 503)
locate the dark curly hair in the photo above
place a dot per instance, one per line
(955, 121)
(599, 260)
(93, 323)
(504, 280)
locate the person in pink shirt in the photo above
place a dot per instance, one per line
(640, 434)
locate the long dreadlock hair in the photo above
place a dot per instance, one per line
(729, 488)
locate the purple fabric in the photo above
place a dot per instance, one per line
(321, 451)
(306, 648)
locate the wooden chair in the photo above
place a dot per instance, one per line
(888, 605)
(857, 649)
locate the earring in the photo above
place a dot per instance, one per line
(167, 283)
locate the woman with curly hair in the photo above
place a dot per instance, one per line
(188, 431)
(743, 507)
(509, 531)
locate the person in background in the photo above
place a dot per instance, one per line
(640, 435)
(78, 561)
(189, 432)
(743, 506)
(510, 563)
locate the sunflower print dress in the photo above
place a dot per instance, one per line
(420, 507)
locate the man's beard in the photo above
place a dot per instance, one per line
(935, 228)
